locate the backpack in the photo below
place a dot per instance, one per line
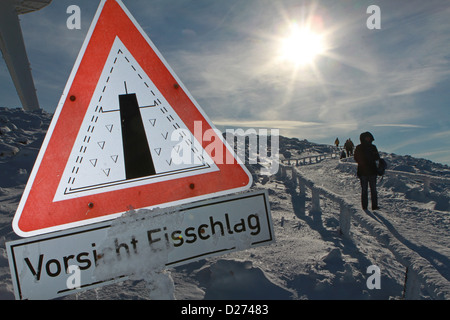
(382, 165)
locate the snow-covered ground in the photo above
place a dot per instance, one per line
(311, 259)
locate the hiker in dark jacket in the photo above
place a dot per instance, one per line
(348, 146)
(366, 155)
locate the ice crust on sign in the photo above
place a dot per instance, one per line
(132, 224)
(128, 250)
(121, 256)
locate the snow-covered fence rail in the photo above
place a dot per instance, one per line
(419, 271)
(310, 159)
(425, 178)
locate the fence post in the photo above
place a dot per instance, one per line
(294, 175)
(315, 200)
(344, 219)
(412, 285)
(281, 172)
(426, 184)
(302, 187)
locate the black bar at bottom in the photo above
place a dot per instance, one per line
(138, 159)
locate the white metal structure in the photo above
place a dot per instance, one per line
(13, 48)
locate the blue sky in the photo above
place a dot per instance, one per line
(393, 82)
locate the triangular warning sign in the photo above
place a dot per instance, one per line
(126, 134)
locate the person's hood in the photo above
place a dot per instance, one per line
(363, 136)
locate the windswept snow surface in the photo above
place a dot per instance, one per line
(311, 259)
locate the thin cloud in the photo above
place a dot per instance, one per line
(275, 124)
(438, 155)
(314, 131)
(399, 125)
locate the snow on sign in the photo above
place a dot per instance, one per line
(121, 137)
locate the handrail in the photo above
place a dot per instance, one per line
(425, 178)
(317, 158)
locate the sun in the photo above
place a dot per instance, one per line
(302, 46)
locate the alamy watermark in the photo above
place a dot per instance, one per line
(374, 21)
(251, 147)
(74, 280)
(373, 281)
(74, 20)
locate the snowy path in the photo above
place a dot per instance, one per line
(406, 211)
(310, 260)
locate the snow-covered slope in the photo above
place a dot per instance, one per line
(311, 259)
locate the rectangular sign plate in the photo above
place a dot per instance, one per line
(139, 242)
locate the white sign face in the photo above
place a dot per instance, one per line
(66, 262)
(99, 161)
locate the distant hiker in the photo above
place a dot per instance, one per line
(336, 142)
(348, 146)
(366, 155)
(351, 146)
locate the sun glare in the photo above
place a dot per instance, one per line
(302, 46)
